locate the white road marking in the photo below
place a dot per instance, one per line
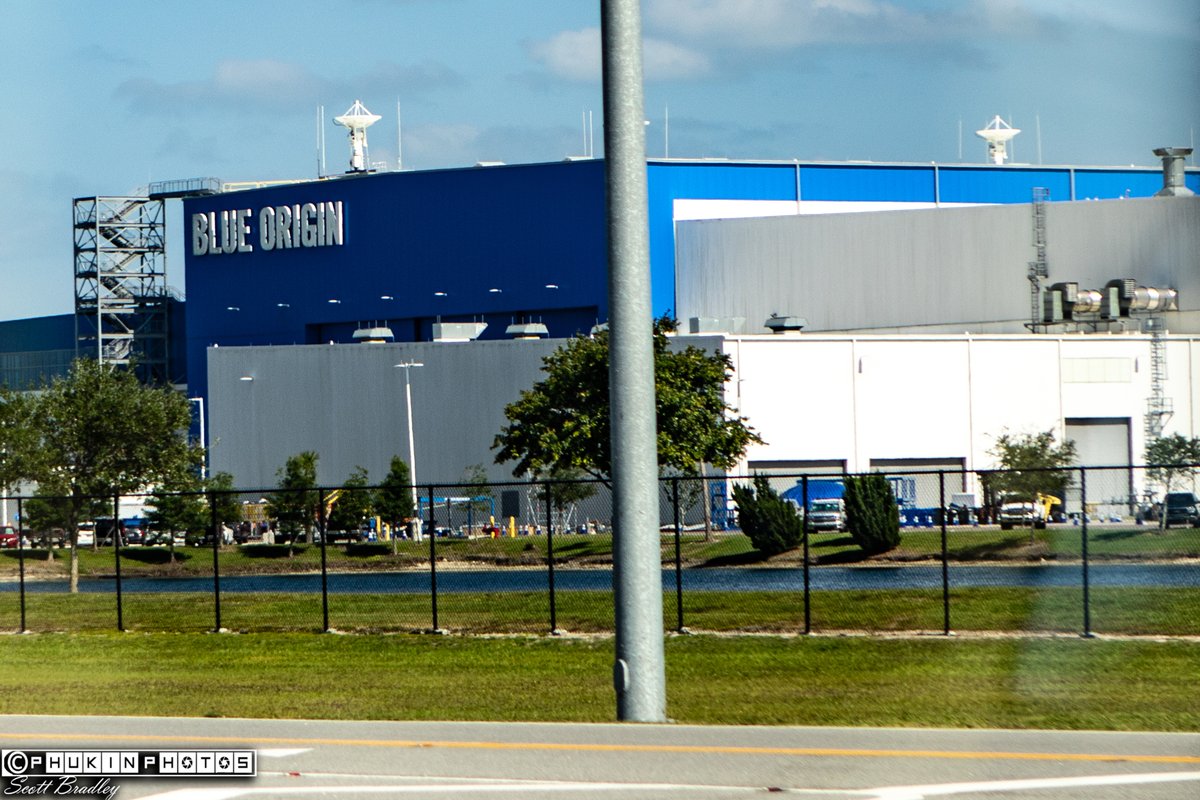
(283, 752)
(945, 789)
(459, 789)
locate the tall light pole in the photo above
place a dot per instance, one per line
(639, 676)
(412, 457)
(199, 401)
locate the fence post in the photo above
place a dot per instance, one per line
(945, 556)
(216, 554)
(116, 534)
(550, 559)
(432, 561)
(1083, 533)
(807, 576)
(21, 560)
(321, 522)
(678, 556)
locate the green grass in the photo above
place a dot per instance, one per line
(1057, 683)
(963, 544)
(1128, 611)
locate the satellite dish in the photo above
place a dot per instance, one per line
(997, 134)
(357, 119)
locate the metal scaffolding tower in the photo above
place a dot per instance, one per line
(121, 296)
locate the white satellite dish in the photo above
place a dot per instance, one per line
(997, 134)
(357, 119)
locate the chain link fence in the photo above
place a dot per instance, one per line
(1075, 553)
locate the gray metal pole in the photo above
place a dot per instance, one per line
(639, 675)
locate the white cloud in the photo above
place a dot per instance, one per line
(779, 24)
(663, 60)
(575, 56)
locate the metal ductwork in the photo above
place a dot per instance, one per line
(1120, 297)
(1174, 177)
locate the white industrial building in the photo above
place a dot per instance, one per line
(927, 333)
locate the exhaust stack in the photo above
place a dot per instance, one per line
(1174, 183)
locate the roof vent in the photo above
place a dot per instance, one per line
(1174, 182)
(458, 331)
(376, 335)
(527, 330)
(783, 323)
(716, 324)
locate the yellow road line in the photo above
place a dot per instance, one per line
(612, 748)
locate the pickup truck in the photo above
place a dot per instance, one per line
(827, 514)
(1022, 515)
(1182, 508)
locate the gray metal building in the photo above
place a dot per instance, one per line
(347, 403)
(943, 270)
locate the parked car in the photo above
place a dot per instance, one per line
(9, 537)
(1019, 515)
(827, 514)
(1182, 508)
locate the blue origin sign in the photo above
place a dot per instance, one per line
(272, 228)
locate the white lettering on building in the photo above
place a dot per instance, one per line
(304, 225)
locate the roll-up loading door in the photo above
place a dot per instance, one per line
(1102, 442)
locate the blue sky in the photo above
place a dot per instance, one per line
(103, 98)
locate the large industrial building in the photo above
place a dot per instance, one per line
(967, 300)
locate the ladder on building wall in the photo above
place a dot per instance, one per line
(1159, 407)
(1038, 268)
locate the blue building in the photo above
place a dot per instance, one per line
(314, 262)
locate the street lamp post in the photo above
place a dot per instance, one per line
(412, 457)
(199, 401)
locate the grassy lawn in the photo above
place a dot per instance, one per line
(1131, 611)
(1056, 683)
(723, 549)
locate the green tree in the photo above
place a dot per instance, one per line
(394, 498)
(224, 499)
(562, 422)
(566, 487)
(100, 432)
(1029, 465)
(18, 443)
(478, 489)
(1170, 459)
(354, 503)
(872, 516)
(770, 521)
(45, 514)
(178, 506)
(294, 504)
(18, 437)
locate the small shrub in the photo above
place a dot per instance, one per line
(366, 549)
(270, 550)
(871, 513)
(770, 521)
(152, 555)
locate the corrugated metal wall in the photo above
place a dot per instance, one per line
(954, 268)
(347, 403)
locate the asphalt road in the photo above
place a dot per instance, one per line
(483, 761)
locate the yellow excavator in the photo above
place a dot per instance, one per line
(1025, 514)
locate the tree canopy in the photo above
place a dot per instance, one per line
(97, 432)
(562, 423)
(1171, 459)
(1029, 464)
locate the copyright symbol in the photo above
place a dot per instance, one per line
(15, 762)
